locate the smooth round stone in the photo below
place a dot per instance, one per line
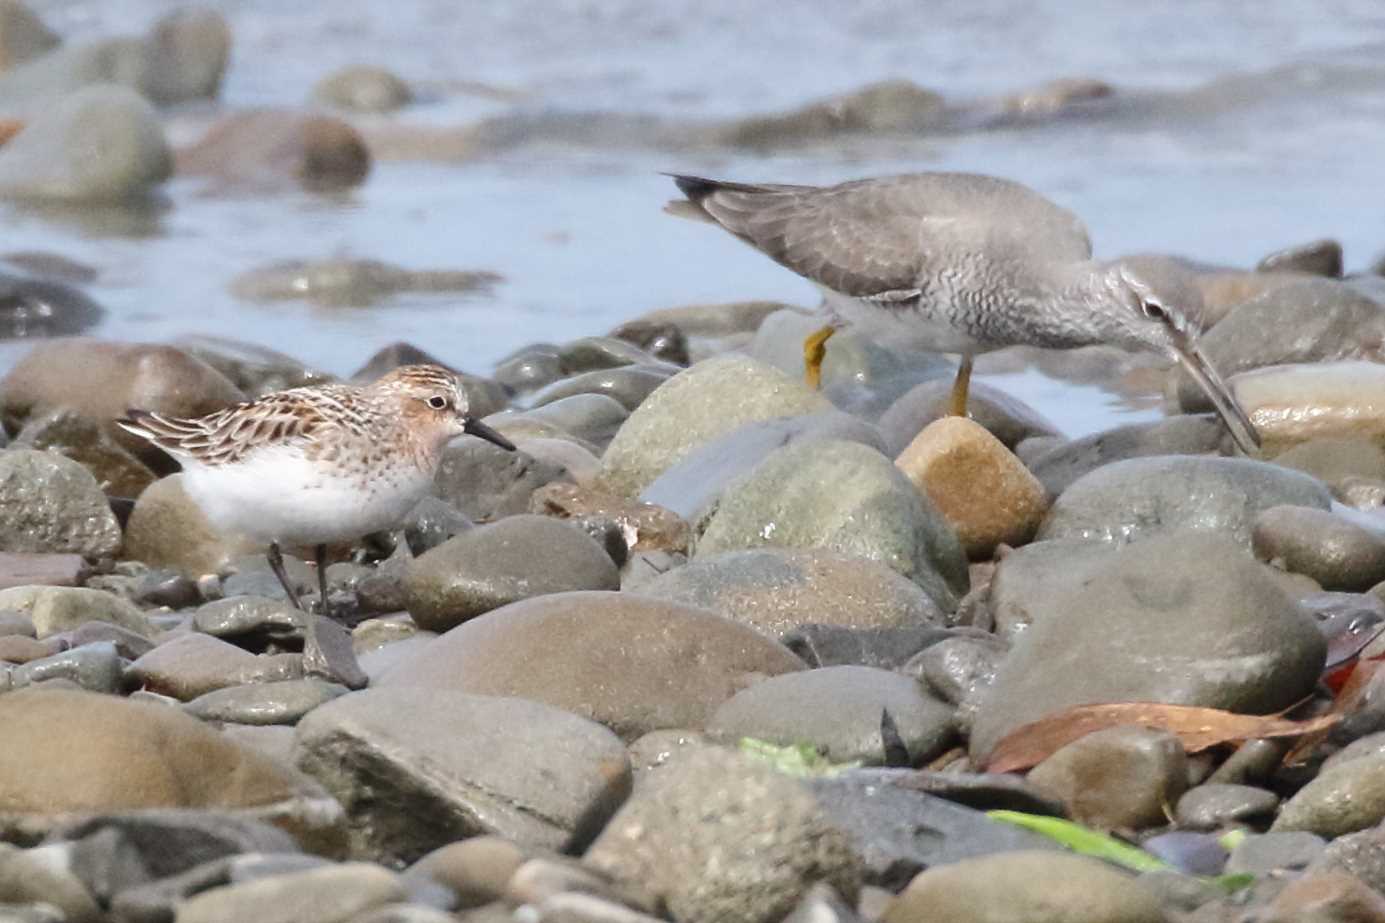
(1361, 855)
(1310, 320)
(271, 149)
(23, 36)
(1343, 798)
(530, 370)
(53, 610)
(593, 417)
(628, 385)
(717, 838)
(1026, 578)
(102, 143)
(1059, 466)
(1369, 745)
(777, 590)
(658, 748)
(95, 667)
(1274, 852)
(37, 878)
(517, 558)
(333, 892)
(1116, 778)
(838, 711)
(959, 669)
(114, 755)
(1214, 805)
(886, 107)
(1324, 895)
(418, 768)
(1139, 498)
(485, 482)
(194, 664)
(1317, 258)
(35, 308)
(19, 649)
(476, 869)
(250, 618)
(1187, 618)
(664, 341)
(1028, 886)
(715, 329)
(282, 702)
(842, 497)
(53, 504)
(1291, 404)
(589, 354)
(1337, 553)
(1336, 462)
(694, 407)
(1190, 853)
(979, 486)
(632, 664)
(115, 377)
(1003, 416)
(364, 89)
(167, 529)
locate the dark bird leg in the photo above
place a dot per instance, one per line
(276, 564)
(961, 386)
(320, 553)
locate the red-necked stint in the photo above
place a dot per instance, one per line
(962, 263)
(318, 465)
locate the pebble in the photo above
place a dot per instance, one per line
(779, 590)
(31, 876)
(22, 568)
(1036, 887)
(1343, 798)
(837, 710)
(1292, 404)
(330, 893)
(640, 526)
(328, 654)
(362, 88)
(54, 610)
(665, 341)
(347, 282)
(1188, 618)
(194, 664)
(627, 385)
(519, 557)
(958, 669)
(267, 150)
(694, 407)
(23, 35)
(982, 490)
(95, 667)
(873, 511)
(485, 483)
(1141, 497)
(251, 620)
(716, 838)
(1116, 778)
(37, 308)
(591, 417)
(53, 504)
(1336, 462)
(1059, 466)
(281, 702)
(1361, 855)
(1026, 578)
(1276, 851)
(1335, 552)
(1212, 806)
(476, 870)
(1331, 897)
(1006, 418)
(612, 665)
(19, 649)
(820, 645)
(1317, 258)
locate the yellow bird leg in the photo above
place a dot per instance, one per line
(814, 350)
(960, 386)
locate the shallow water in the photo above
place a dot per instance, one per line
(1255, 127)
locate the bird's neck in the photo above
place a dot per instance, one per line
(1062, 315)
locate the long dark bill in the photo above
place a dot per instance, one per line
(474, 427)
(1219, 393)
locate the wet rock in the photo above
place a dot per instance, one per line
(361, 88)
(592, 353)
(23, 36)
(713, 329)
(1316, 258)
(641, 526)
(417, 769)
(194, 664)
(838, 711)
(1337, 553)
(664, 341)
(888, 107)
(188, 51)
(268, 149)
(58, 609)
(778, 590)
(1359, 854)
(330, 893)
(593, 418)
(102, 143)
(282, 702)
(1324, 897)
(484, 482)
(821, 645)
(1268, 853)
(251, 620)
(1008, 419)
(1116, 778)
(167, 529)
(632, 664)
(517, 558)
(1036, 887)
(983, 491)
(68, 433)
(692, 408)
(1336, 462)
(115, 755)
(1026, 578)
(128, 644)
(1342, 799)
(1058, 467)
(628, 385)
(860, 375)
(1291, 404)
(115, 377)
(351, 282)
(1161, 621)
(1211, 806)
(541, 879)
(94, 667)
(476, 869)
(1143, 497)
(53, 504)
(168, 589)
(31, 876)
(958, 669)
(714, 837)
(33, 308)
(33, 569)
(872, 511)
(530, 369)
(1055, 96)
(1311, 320)
(692, 487)
(257, 370)
(328, 654)
(19, 649)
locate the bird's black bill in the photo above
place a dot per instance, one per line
(1219, 393)
(473, 427)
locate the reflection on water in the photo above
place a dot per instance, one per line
(1238, 129)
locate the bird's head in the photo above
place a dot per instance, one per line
(435, 406)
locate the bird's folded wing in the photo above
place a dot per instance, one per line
(228, 435)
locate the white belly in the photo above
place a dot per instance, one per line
(902, 327)
(281, 496)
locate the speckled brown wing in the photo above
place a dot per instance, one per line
(884, 238)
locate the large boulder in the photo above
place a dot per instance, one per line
(49, 503)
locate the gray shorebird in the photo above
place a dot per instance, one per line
(961, 263)
(318, 465)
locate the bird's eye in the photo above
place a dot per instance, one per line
(437, 402)
(1153, 311)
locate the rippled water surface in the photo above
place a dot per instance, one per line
(1253, 126)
